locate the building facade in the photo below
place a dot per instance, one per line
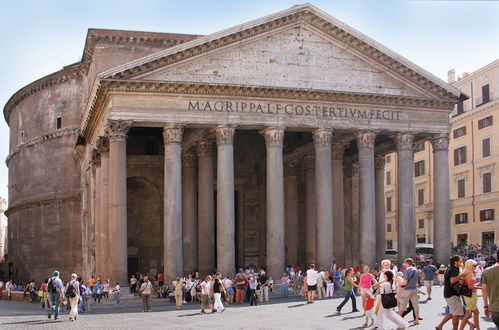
(473, 167)
(261, 144)
(3, 229)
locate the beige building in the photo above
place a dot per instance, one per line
(3, 229)
(261, 144)
(473, 167)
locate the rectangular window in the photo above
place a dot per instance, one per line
(421, 223)
(419, 147)
(460, 108)
(462, 239)
(389, 244)
(58, 123)
(420, 197)
(487, 182)
(419, 168)
(485, 122)
(460, 131)
(388, 204)
(487, 215)
(460, 156)
(461, 218)
(485, 94)
(461, 188)
(486, 147)
(388, 159)
(388, 227)
(388, 178)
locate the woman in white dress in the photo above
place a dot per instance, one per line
(387, 318)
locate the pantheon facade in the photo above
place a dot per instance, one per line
(261, 144)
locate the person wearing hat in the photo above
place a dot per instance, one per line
(55, 289)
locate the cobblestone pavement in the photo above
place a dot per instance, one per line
(293, 313)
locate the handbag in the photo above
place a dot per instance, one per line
(388, 299)
(461, 289)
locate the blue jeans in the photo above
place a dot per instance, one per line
(348, 295)
(54, 303)
(117, 298)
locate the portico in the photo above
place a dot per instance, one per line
(251, 157)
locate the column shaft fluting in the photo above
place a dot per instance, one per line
(380, 209)
(292, 212)
(118, 252)
(189, 213)
(338, 204)
(206, 209)
(226, 225)
(324, 194)
(274, 138)
(406, 236)
(367, 212)
(310, 209)
(441, 209)
(172, 235)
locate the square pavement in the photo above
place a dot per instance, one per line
(292, 313)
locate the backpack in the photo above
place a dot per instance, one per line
(51, 287)
(70, 291)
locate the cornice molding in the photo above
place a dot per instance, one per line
(177, 88)
(80, 69)
(307, 15)
(41, 139)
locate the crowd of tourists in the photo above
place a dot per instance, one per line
(387, 294)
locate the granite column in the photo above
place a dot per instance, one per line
(274, 138)
(226, 225)
(118, 241)
(173, 254)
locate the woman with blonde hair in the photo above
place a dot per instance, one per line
(471, 302)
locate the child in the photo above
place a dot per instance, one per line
(369, 309)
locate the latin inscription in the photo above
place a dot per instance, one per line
(292, 109)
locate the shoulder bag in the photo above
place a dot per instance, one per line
(388, 299)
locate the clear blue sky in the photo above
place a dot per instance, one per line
(39, 37)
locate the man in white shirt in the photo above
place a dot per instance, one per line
(311, 283)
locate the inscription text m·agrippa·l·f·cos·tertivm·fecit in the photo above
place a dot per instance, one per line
(292, 109)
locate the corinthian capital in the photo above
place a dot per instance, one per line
(365, 139)
(189, 159)
(380, 162)
(117, 129)
(102, 144)
(338, 150)
(440, 142)
(224, 135)
(172, 133)
(403, 141)
(204, 148)
(274, 137)
(323, 137)
(95, 157)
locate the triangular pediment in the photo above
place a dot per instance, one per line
(293, 58)
(301, 47)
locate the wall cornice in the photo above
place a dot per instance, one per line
(107, 86)
(80, 69)
(41, 139)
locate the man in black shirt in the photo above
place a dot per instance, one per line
(263, 279)
(452, 276)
